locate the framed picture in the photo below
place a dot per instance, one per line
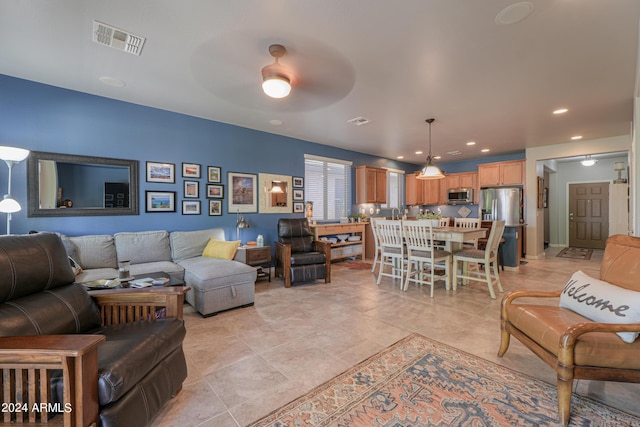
(190, 170)
(275, 195)
(191, 207)
(215, 191)
(161, 172)
(298, 207)
(298, 194)
(298, 182)
(191, 189)
(244, 192)
(214, 174)
(160, 201)
(215, 207)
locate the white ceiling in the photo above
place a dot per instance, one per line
(395, 63)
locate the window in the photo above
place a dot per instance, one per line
(395, 189)
(328, 185)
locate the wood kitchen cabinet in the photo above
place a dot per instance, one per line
(371, 185)
(459, 180)
(414, 193)
(501, 173)
(431, 189)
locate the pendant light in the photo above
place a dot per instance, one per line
(276, 79)
(430, 171)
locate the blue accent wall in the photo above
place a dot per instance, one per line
(51, 119)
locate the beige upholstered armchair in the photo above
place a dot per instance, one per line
(572, 344)
(300, 258)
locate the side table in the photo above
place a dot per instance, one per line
(256, 256)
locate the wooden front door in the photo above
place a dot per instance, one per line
(588, 215)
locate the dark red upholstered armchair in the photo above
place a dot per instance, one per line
(300, 258)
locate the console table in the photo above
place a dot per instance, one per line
(343, 249)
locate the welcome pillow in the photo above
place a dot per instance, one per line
(602, 302)
(221, 249)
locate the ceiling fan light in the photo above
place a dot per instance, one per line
(276, 86)
(588, 161)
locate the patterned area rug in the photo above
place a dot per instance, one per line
(419, 382)
(575, 253)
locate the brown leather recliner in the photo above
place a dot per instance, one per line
(574, 346)
(300, 258)
(58, 352)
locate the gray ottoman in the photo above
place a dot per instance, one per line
(218, 284)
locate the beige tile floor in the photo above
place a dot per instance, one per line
(247, 362)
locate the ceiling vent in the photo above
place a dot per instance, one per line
(358, 121)
(118, 39)
(454, 153)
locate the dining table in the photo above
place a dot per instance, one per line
(454, 237)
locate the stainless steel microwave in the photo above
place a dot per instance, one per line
(459, 196)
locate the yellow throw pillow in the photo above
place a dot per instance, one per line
(221, 249)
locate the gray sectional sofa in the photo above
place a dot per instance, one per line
(216, 284)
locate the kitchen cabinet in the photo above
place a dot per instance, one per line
(501, 173)
(371, 185)
(459, 180)
(431, 189)
(414, 193)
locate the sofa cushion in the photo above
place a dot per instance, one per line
(221, 249)
(95, 251)
(131, 351)
(546, 324)
(602, 302)
(308, 258)
(189, 244)
(64, 310)
(32, 263)
(143, 246)
(89, 275)
(139, 270)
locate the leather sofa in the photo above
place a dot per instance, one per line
(64, 354)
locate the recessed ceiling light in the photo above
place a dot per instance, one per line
(454, 153)
(471, 143)
(276, 122)
(437, 157)
(110, 81)
(514, 13)
(560, 111)
(400, 157)
(418, 152)
(577, 137)
(485, 150)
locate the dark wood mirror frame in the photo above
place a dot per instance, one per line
(33, 190)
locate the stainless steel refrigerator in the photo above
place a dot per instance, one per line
(503, 203)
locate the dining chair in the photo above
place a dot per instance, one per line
(422, 253)
(488, 258)
(392, 253)
(468, 223)
(444, 222)
(373, 222)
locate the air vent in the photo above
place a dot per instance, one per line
(358, 121)
(118, 39)
(454, 153)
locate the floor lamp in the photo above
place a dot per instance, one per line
(11, 156)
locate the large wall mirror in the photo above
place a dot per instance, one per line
(69, 185)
